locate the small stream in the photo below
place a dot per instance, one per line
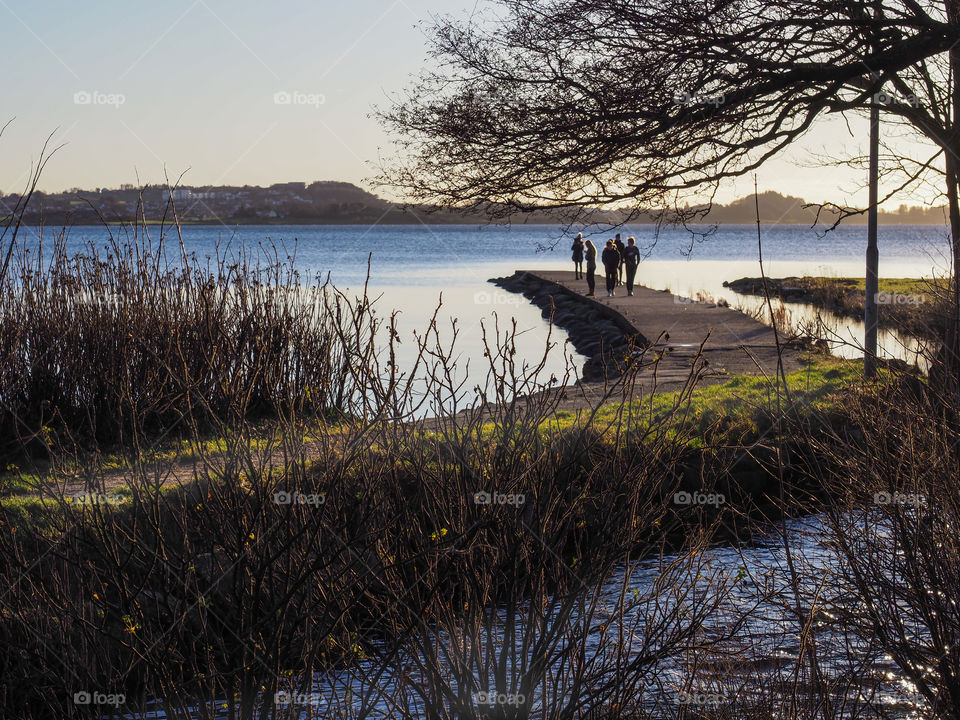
(753, 621)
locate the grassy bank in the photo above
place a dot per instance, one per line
(813, 284)
(736, 412)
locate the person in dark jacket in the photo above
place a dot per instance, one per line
(631, 259)
(611, 263)
(590, 252)
(577, 249)
(620, 248)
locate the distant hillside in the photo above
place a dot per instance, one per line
(341, 203)
(786, 210)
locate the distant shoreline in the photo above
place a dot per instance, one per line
(338, 203)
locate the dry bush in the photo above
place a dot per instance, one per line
(135, 338)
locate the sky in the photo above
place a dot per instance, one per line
(235, 93)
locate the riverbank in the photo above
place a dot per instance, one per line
(665, 344)
(909, 305)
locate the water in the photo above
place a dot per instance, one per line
(414, 269)
(440, 257)
(745, 592)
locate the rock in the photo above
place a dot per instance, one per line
(594, 330)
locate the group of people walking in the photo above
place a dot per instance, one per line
(616, 258)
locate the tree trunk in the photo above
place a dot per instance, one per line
(951, 350)
(870, 310)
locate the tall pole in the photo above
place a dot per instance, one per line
(873, 253)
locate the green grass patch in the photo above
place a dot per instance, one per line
(737, 411)
(900, 286)
(30, 514)
(30, 475)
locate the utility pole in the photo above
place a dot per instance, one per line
(870, 309)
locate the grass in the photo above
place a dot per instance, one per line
(902, 286)
(31, 515)
(833, 285)
(733, 411)
(18, 484)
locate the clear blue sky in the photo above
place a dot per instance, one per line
(198, 80)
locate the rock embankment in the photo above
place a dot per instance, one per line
(601, 333)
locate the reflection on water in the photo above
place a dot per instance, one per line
(486, 332)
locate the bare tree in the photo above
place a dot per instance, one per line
(646, 103)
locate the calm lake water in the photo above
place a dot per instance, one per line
(413, 269)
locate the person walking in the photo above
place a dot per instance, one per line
(577, 249)
(631, 259)
(611, 263)
(620, 248)
(590, 252)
